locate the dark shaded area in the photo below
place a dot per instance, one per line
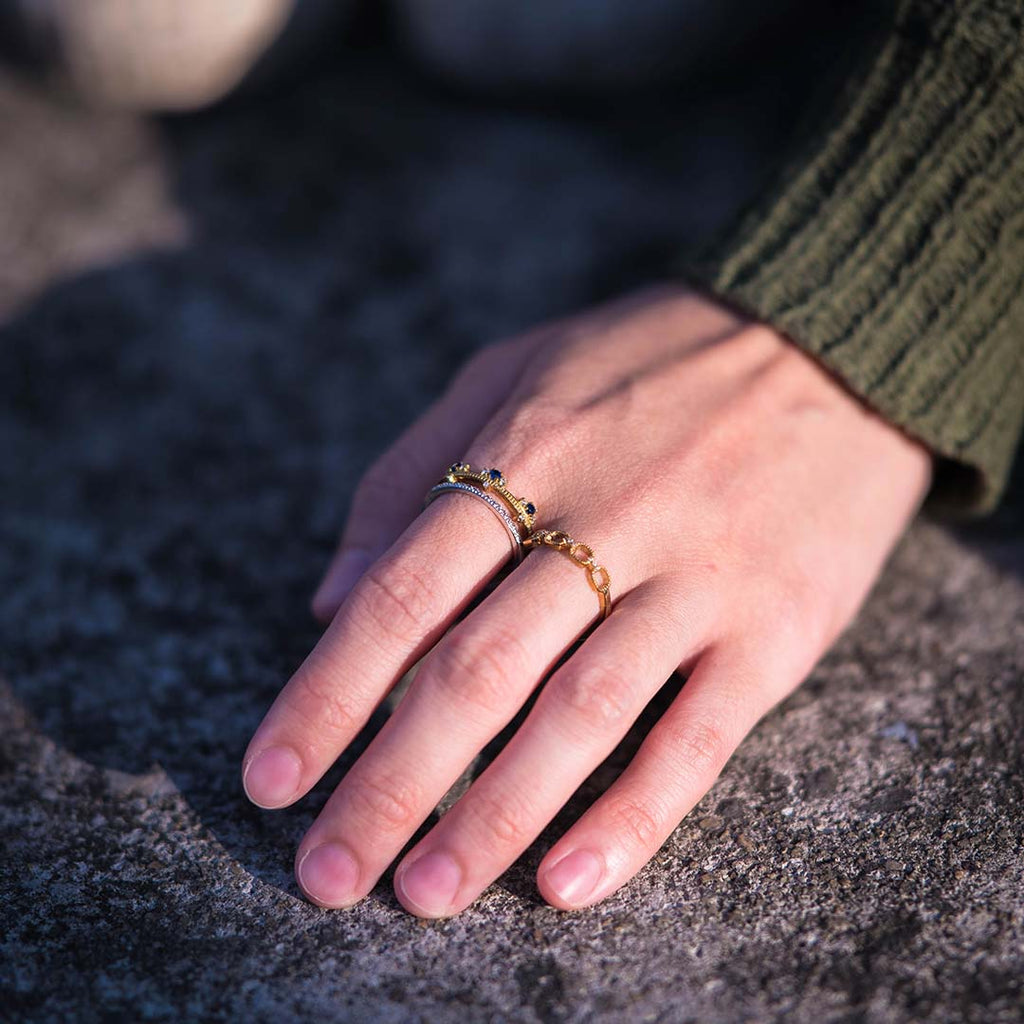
(181, 427)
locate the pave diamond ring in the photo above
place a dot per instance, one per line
(490, 501)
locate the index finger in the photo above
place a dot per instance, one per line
(394, 615)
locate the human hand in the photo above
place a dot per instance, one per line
(743, 503)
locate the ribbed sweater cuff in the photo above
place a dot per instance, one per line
(891, 247)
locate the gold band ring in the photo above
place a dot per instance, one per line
(493, 482)
(583, 555)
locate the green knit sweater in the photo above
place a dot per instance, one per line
(890, 244)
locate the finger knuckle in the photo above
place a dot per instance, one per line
(502, 819)
(396, 801)
(477, 671)
(323, 706)
(695, 749)
(596, 699)
(395, 600)
(640, 821)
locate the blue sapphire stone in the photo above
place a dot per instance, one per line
(530, 508)
(494, 474)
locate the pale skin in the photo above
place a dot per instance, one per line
(743, 502)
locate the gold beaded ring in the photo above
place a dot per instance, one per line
(583, 555)
(493, 481)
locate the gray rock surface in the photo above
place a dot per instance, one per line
(211, 325)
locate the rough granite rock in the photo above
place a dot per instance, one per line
(211, 325)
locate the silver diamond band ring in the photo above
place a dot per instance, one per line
(492, 503)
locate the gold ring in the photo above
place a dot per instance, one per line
(492, 481)
(583, 555)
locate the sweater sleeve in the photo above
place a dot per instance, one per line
(890, 245)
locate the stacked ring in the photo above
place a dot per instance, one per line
(518, 516)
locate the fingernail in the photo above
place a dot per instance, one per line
(329, 874)
(272, 777)
(431, 883)
(575, 876)
(341, 577)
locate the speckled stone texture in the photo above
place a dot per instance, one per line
(210, 326)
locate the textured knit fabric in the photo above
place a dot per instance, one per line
(891, 245)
